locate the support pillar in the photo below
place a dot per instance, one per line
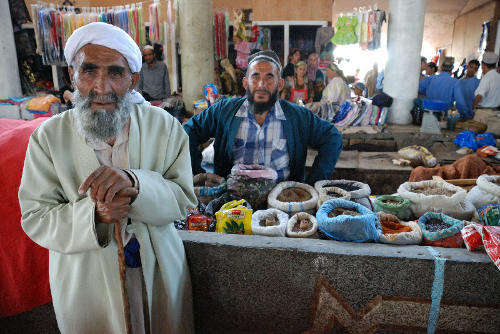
(404, 44)
(197, 52)
(10, 82)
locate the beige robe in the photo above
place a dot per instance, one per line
(83, 263)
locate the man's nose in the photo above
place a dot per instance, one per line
(102, 84)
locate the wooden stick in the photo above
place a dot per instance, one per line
(121, 262)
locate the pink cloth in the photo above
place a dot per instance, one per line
(242, 53)
(254, 171)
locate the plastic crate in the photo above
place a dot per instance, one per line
(434, 104)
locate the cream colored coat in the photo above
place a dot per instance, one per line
(83, 262)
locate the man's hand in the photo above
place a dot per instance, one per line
(104, 183)
(118, 209)
(111, 189)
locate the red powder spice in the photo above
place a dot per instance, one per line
(389, 227)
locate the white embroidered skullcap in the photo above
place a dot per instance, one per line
(490, 58)
(106, 35)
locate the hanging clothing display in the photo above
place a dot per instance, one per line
(220, 35)
(362, 26)
(53, 26)
(345, 30)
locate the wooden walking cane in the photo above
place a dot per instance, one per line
(121, 262)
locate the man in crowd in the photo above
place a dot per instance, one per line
(488, 91)
(262, 129)
(110, 160)
(470, 82)
(423, 67)
(444, 87)
(431, 68)
(154, 83)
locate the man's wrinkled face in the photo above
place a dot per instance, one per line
(149, 56)
(263, 83)
(471, 69)
(104, 71)
(103, 84)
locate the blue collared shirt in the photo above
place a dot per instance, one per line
(266, 145)
(444, 87)
(469, 87)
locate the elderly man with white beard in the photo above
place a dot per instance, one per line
(110, 160)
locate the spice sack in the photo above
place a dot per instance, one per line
(348, 221)
(397, 232)
(251, 182)
(486, 191)
(208, 186)
(441, 230)
(359, 191)
(302, 225)
(270, 222)
(328, 193)
(293, 197)
(436, 196)
(396, 205)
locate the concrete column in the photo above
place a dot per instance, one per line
(10, 83)
(197, 51)
(404, 44)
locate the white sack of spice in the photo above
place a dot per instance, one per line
(359, 191)
(437, 196)
(302, 225)
(327, 193)
(270, 222)
(487, 191)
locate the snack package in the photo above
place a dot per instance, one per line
(234, 218)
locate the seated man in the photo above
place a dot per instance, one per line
(262, 129)
(110, 162)
(470, 82)
(154, 82)
(487, 93)
(444, 87)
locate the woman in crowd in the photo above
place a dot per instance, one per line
(315, 75)
(337, 89)
(293, 59)
(298, 86)
(313, 72)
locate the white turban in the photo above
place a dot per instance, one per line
(106, 35)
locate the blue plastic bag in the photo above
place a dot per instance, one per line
(345, 227)
(474, 140)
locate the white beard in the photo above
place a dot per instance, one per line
(101, 125)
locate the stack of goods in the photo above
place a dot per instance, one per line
(251, 182)
(43, 106)
(208, 186)
(270, 222)
(302, 225)
(394, 231)
(359, 191)
(293, 197)
(441, 230)
(435, 196)
(347, 221)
